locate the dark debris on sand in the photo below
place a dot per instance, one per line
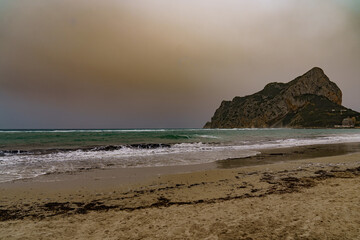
(276, 185)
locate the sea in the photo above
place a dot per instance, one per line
(31, 153)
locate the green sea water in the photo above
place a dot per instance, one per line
(30, 153)
(44, 139)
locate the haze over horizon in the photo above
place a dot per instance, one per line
(163, 64)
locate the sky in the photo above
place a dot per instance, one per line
(161, 63)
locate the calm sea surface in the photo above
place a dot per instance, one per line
(30, 153)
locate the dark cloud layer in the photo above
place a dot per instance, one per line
(120, 64)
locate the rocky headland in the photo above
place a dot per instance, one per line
(308, 101)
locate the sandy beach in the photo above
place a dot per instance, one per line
(297, 193)
(189, 120)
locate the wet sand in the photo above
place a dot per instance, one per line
(305, 198)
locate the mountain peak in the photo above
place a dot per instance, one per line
(315, 73)
(316, 70)
(315, 82)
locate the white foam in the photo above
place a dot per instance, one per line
(206, 136)
(135, 130)
(23, 166)
(178, 154)
(240, 129)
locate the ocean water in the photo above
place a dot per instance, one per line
(30, 153)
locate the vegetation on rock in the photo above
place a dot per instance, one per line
(309, 101)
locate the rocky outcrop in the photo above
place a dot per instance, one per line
(304, 102)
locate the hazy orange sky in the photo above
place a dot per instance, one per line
(161, 63)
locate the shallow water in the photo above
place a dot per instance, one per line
(30, 153)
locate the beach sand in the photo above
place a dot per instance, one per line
(312, 198)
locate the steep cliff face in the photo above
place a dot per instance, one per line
(283, 104)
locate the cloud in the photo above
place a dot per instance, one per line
(168, 62)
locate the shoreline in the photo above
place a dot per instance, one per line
(115, 176)
(292, 182)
